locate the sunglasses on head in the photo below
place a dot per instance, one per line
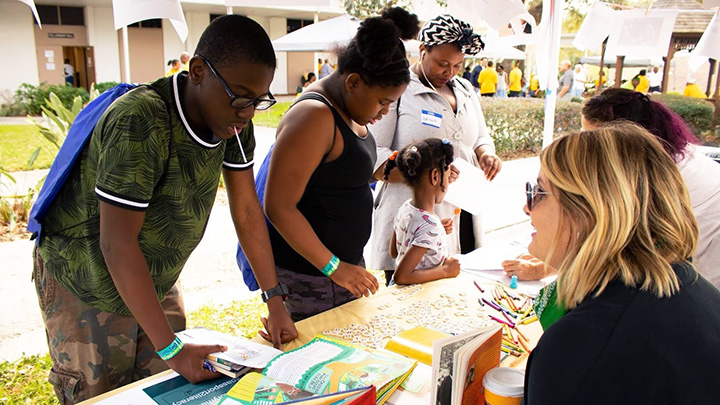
(240, 102)
(534, 194)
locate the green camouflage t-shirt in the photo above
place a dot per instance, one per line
(142, 156)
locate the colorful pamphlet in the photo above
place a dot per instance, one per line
(327, 365)
(257, 389)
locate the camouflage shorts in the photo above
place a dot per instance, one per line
(94, 351)
(310, 295)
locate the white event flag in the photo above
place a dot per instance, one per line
(708, 46)
(128, 12)
(597, 25)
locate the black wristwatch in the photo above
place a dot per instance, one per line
(280, 289)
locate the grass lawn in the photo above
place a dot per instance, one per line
(17, 143)
(25, 380)
(271, 118)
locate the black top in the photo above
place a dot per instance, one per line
(629, 347)
(337, 201)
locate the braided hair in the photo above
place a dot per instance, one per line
(416, 159)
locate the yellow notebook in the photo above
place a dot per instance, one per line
(416, 343)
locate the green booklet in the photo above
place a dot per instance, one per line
(258, 389)
(327, 365)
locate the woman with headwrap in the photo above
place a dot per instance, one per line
(436, 104)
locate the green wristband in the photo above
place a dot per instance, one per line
(332, 265)
(171, 350)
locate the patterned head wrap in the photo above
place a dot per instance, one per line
(446, 29)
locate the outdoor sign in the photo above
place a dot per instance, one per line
(641, 33)
(60, 35)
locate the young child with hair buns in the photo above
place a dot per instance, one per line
(419, 240)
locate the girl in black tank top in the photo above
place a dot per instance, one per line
(317, 195)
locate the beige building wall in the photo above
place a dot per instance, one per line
(197, 22)
(16, 29)
(298, 64)
(53, 72)
(146, 54)
(103, 38)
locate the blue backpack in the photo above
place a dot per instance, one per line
(69, 153)
(242, 262)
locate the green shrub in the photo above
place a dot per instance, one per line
(698, 114)
(32, 98)
(516, 124)
(102, 86)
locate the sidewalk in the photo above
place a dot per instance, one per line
(211, 275)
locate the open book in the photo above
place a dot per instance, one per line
(459, 364)
(242, 355)
(258, 389)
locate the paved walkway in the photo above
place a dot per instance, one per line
(211, 274)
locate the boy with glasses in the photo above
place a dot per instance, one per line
(136, 205)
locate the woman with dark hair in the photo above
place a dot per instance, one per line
(318, 196)
(700, 173)
(436, 104)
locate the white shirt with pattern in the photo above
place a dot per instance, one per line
(417, 227)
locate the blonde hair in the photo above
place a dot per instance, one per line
(628, 210)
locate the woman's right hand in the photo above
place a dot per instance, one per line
(356, 279)
(526, 267)
(189, 362)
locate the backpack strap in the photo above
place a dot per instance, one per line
(71, 149)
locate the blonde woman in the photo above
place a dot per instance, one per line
(612, 214)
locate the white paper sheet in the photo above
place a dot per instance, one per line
(486, 262)
(708, 46)
(498, 13)
(128, 12)
(597, 25)
(468, 191)
(642, 34)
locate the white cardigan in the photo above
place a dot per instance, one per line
(466, 130)
(702, 178)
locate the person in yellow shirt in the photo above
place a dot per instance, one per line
(488, 80)
(534, 88)
(174, 67)
(693, 90)
(644, 84)
(515, 81)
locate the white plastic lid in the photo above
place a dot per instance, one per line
(505, 381)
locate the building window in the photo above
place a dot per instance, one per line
(72, 16)
(154, 23)
(48, 14)
(57, 15)
(293, 24)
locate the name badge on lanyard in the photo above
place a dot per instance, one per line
(431, 118)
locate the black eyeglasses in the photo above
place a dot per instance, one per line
(534, 194)
(241, 102)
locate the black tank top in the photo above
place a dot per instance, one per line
(337, 201)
